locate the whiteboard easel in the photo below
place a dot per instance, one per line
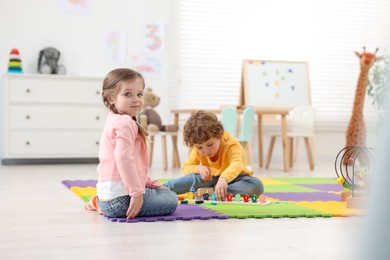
(275, 83)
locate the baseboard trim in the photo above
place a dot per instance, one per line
(48, 161)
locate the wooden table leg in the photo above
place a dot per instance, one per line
(285, 144)
(176, 119)
(176, 158)
(164, 151)
(260, 138)
(175, 153)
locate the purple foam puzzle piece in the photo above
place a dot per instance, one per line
(79, 183)
(183, 212)
(304, 196)
(325, 187)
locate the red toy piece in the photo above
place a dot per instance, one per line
(229, 197)
(245, 198)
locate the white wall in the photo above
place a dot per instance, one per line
(33, 25)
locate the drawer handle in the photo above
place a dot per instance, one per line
(97, 117)
(27, 142)
(28, 117)
(97, 92)
(28, 90)
(97, 142)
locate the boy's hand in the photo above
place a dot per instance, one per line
(135, 206)
(221, 189)
(205, 173)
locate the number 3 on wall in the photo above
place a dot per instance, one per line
(153, 38)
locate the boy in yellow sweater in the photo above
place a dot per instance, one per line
(216, 160)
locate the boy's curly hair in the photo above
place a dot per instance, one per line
(200, 127)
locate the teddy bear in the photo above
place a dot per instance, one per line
(48, 62)
(149, 118)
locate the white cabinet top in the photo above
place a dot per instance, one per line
(50, 76)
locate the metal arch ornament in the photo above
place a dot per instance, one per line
(353, 175)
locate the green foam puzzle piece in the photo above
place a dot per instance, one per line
(163, 180)
(315, 180)
(273, 210)
(86, 198)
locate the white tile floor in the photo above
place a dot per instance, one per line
(41, 219)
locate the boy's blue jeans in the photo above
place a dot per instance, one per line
(156, 202)
(240, 185)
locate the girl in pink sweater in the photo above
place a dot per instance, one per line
(124, 188)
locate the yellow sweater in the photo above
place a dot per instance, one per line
(230, 163)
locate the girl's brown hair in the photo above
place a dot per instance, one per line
(200, 127)
(111, 86)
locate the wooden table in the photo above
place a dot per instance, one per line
(260, 111)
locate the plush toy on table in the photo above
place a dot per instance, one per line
(48, 62)
(149, 118)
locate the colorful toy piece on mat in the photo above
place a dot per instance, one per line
(15, 63)
(355, 175)
(201, 196)
(191, 194)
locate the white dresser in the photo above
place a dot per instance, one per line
(50, 117)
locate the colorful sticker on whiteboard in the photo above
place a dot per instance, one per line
(275, 75)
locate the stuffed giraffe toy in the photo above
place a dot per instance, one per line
(356, 132)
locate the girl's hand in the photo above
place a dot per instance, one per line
(135, 206)
(221, 189)
(163, 187)
(205, 173)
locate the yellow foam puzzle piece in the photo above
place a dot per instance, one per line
(84, 191)
(269, 181)
(335, 208)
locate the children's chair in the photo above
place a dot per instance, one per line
(302, 126)
(229, 120)
(245, 136)
(175, 151)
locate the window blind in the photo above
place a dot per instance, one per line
(210, 38)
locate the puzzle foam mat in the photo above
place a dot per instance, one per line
(183, 212)
(289, 197)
